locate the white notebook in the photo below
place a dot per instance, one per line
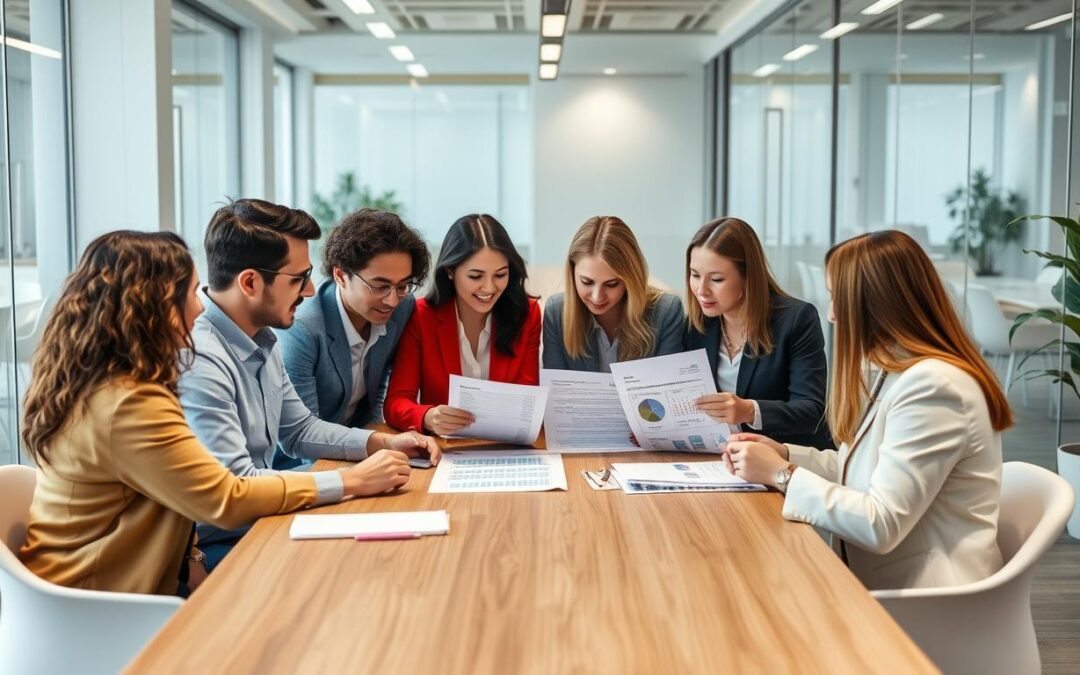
(348, 525)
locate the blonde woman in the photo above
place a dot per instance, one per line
(765, 348)
(613, 314)
(912, 495)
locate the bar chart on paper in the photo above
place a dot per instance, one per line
(494, 471)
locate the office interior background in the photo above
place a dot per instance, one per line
(812, 120)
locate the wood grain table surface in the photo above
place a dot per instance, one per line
(581, 581)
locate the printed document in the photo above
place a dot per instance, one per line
(644, 478)
(508, 413)
(499, 471)
(349, 525)
(658, 395)
(584, 413)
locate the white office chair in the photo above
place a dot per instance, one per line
(1048, 275)
(985, 627)
(45, 628)
(990, 328)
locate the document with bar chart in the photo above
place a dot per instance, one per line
(499, 471)
(657, 396)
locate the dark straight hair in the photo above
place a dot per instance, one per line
(467, 236)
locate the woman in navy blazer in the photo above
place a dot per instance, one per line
(339, 350)
(476, 321)
(765, 348)
(610, 312)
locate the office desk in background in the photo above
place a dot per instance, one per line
(558, 582)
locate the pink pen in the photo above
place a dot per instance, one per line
(387, 536)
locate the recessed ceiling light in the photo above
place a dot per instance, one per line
(31, 47)
(381, 30)
(610, 71)
(799, 52)
(549, 71)
(927, 20)
(838, 30)
(417, 70)
(553, 25)
(551, 51)
(880, 6)
(1049, 22)
(766, 70)
(360, 6)
(402, 53)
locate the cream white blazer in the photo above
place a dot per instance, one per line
(913, 502)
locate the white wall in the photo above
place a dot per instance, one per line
(632, 147)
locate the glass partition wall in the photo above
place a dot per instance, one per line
(938, 118)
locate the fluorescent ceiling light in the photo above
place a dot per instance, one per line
(553, 25)
(550, 52)
(381, 30)
(1049, 22)
(838, 30)
(360, 6)
(402, 53)
(549, 71)
(610, 71)
(799, 52)
(31, 47)
(927, 20)
(766, 70)
(880, 6)
(417, 70)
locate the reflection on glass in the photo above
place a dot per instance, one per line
(205, 121)
(35, 199)
(283, 135)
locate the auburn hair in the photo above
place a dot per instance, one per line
(892, 311)
(117, 315)
(735, 240)
(612, 241)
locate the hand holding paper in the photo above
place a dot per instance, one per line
(509, 413)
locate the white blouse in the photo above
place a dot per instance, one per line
(727, 377)
(478, 366)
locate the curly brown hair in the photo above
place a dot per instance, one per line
(364, 234)
(116, 316)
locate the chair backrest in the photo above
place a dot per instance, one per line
(1035, 504)
(1048, 275)
(989, 326)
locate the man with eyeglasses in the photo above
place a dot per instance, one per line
(235, 390)
(339, 350)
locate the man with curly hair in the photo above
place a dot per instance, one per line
(339, 350)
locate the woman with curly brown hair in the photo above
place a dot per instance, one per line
(121, 477)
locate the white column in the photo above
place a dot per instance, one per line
(304, 142)
(122, 116)
(256, 114)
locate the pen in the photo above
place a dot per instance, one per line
(387, 536)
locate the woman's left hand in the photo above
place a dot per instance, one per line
(416, 445)
(727, 408)
(753, 461)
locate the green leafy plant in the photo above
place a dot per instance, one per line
(1067, 292)
(349, 196)
(987, 228)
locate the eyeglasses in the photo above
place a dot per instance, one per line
(404, 289)
(304, 276)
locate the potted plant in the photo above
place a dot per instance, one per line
(1066, 292)
(349, 196)
(983, 227)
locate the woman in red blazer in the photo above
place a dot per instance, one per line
(476, 321)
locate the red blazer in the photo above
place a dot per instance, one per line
(429, 353)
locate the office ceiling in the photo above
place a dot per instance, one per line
(991, 16)
(509, 16)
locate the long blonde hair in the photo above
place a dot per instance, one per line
(892, 312)
(611, 240)
(735, 240)
(114, 317)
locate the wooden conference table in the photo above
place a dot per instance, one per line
(582, 581)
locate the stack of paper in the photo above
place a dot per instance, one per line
(644, 477)
(498, 471)
(349, 525)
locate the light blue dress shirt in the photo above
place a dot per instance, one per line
(239, 401)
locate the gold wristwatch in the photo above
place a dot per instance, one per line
(196, 556)
(783, 477)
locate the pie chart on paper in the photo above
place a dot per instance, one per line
(651, 410)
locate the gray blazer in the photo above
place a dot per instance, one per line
(317, 357)
(665, 316)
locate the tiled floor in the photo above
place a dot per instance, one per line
(1055, 594)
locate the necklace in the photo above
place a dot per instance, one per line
(732, 350)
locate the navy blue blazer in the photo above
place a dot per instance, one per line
(788, 383)
(319, 363)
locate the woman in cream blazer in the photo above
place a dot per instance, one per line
(911, 497)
